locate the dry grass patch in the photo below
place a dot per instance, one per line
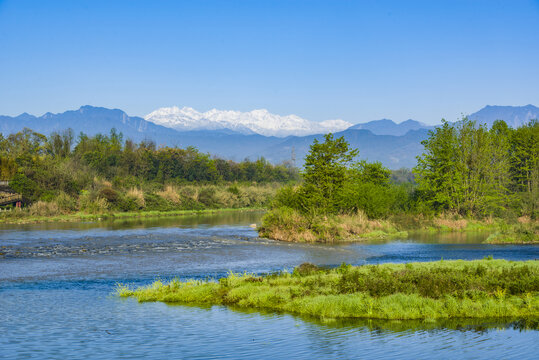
(43, 208)
(454, 224)
(287, 224)
(170, 193)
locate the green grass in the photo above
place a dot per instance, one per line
(526, 233)
(436, 290)
(8, 218)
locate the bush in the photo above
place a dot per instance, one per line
(206, 196)
(25, 186)
(92, 204)
(170, 193)
(158, 203)
(137, 195)
(66, 203)
(127, 204)
(42, 208)
(109, 194)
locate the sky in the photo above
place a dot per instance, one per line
(351, 60)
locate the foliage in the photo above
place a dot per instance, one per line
(336, 184)
(524, 233)
(473, 171)
(105, 173)
(465, 171)
(325, 172)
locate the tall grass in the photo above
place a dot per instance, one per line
(43, 208)
(290, 225)
(137, 195)
(106, 201)
(170, 193)
(525, 232)
(444, 289)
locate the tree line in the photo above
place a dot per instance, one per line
(465, 169)
(41, 166)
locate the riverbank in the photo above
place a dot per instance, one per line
(9, 218)
(435, 290)
(287, 224)
(527, 233)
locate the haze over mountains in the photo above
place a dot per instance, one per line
(238, 135)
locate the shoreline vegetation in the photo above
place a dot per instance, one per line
(469, 178)
(286, 224)
(78, 217)
(104, 201)
(432, 290)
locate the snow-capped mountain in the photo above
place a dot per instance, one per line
(257, 121)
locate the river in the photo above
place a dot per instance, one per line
(56, 282)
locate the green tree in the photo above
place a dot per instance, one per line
(435, 170)
(325, 172)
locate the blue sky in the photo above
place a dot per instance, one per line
(354, 60)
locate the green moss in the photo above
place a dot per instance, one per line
(437, 290)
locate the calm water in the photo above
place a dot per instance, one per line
(56, 280)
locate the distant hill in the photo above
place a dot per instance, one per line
(393, 151)
(395, 145)
(90, 120)
(514, 116)
(389, 127)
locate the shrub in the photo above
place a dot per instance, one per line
(206, 196)
(90, 203)
(127, 204)
(157, 203)
(25, 186)
(137, 195)
(170, 193)
(42, 208)
(109, 194)
(66, 203)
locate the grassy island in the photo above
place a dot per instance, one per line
(435, 290)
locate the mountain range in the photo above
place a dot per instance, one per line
(253, 122)
(237, 135)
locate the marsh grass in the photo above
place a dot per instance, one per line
(436, 290)
(525, 232)
(287, 224)
(170, 193)
(23, 217)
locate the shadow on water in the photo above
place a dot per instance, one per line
(194, 220)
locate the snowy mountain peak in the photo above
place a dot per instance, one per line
(259, 121)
